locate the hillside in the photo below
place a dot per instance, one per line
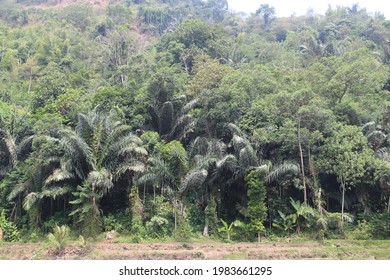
(173, 118)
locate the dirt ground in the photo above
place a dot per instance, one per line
(189, 251)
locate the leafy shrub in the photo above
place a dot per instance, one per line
(157, 227)
(84, 243)
(183, 231)
(360, 232)
(111, 223)
(59, 237)
(9, 230)
(34, 236)
(380, 224)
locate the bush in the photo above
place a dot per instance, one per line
(361, 232)
(59, 237)
(85, 244)
(183, 232)
(380, 224)
(157, 227)
(9, 230)
(111, 223)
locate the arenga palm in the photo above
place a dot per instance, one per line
(28, 180)
(98, 152)
(11, 150)
(178, 173)
(243, 160)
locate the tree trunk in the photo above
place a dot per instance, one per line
(144, 194)
(206, 230)
(342, 204)
(259, 237)
(388, 205)
(302, 163)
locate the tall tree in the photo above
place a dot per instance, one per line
(347, 155)
(99, 151)
(267, 12)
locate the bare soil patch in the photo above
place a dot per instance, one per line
(195, 251)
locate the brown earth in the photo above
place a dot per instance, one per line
(187, 251)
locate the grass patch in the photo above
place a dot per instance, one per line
(236, 256)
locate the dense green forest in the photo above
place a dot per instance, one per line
(160, 118)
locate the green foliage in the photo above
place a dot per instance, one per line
(363, 231)
(267, 12)
(84, 243)
(183, 232)
(157, 227)
(87, 215)
(257, 208)
(96, 100)
(301, 210)
(110, 223)
(229, 228)
(211, 219)
(287, 222)
(59, 237)
(137, 227)
(176, 156)
(379, 225)
(9, 230)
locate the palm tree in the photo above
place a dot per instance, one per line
(244, 160)
(383, 173)
(174, 181)
(28, 178)
(97, 153)
(172, 119)
(10, 149)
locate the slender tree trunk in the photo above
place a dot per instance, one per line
(388, 205)
(206, 230)
(259, 237)
(144, 194)
(342, 203)
(175, 212)
(302, 163)
(319, 201)
(30, 82)
(64, 205)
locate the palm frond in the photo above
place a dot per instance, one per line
(193, 180)
(229, 162)
(189, 106)
(182, 128)
(101, 179)
(25, 145)
(84, 127)
(77, 151)
(239, 142)
(199, 146)
(17, 190)
(58, 176)
(281, 170)
(30, 200)
(247, 157)
(235, 130)
(10, 145)
(134, 166)
(56, 192)
(166, 118)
